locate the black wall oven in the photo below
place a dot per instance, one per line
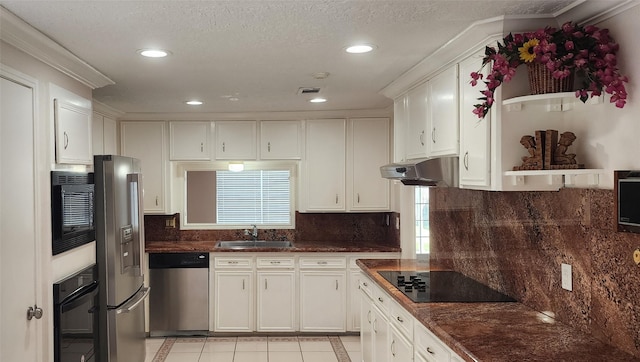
(72, 210)
(75, 316)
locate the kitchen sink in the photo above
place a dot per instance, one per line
(247, 244)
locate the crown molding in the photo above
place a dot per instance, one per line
(261, 116)
(17, 32)
(106, 110)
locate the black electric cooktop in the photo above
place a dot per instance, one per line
(442, 286)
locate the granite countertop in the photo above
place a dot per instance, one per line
(495, 331)
(298, 247)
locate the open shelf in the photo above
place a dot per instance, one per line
(565, 177)
(555, 102)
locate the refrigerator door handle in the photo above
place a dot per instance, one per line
(132, 304)
(137, 216)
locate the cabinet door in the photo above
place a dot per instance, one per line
(109, 138)
(400, 349)
(280, 140)
(189, 141)
(416, 135)
(380, 326)
(400, 124)
(324, 176)
(104, 141)
(233, 301)
(366, 329)
(276, 301)
(322, 301)
(235, 140)
(146, 142)
(354, 303)
(369, 149)
(475, 139)
(443, 113)
(73, 133)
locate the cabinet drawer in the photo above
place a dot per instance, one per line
(401, 319)
(233, 262)
(366, 284)
(275, 262)
(381, 299)
(428, 345)
(322, 263)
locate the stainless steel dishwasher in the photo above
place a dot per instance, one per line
(179, 297)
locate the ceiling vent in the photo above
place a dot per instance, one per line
(308, 90)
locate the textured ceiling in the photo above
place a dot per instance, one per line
(258, 51)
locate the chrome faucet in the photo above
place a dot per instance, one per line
(253, 232)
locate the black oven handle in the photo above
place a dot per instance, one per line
(79, 296)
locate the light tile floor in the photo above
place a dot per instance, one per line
(255, 349)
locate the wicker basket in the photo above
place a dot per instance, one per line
(541, 81)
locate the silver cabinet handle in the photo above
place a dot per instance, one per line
(336, 198)
(156, 200)
(322, 263)
(393, 349)
(430, 350)
(433, 135)
(369, 317)
(358, 197)
(265, 284)
(275, 262)
(400, 319)
(201, 147)
(422, 138)
(466, 161)
(34, 312)
(66, 140)
(336, 284)
(365, 284)
(380, 299)
(375, 330)
(269, 146)
(223, 147)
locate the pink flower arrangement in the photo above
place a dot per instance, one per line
(586, 50)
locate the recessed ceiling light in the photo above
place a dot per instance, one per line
(194, 103)
(318, 100)
(234, 99)
(154, 53)
(359, 48)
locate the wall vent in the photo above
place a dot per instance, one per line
(308, 90)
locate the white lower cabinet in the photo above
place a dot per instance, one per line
(233, 301)
(354, 319)
(366, 329)
(380, 326)
(400, 348)
(276, 293)
(323, 301)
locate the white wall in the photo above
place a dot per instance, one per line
(51, 268)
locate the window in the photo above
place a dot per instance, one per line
(253, 197)
(221, 199)
(422, 219)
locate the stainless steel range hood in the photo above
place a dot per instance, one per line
(441, 171)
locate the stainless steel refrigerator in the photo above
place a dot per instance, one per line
(119, 255)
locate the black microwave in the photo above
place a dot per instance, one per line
(629, 201)
(72, 210)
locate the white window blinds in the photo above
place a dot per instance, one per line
(253, 197)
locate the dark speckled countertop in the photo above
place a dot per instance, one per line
(496, 331)
(298, 247)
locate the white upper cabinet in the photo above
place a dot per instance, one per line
(236, 140)
(368, 150)
(416, 136)
(324, 167)
(104, 141)
(443, 113)
(400, 124)
(73, 133)
(147, 141)
(189, 141)
(280, 140)
(475, 137)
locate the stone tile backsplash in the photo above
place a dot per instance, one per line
(346, 227)
(516, 241)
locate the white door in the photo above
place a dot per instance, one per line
(18, 242)
(233, 306)
(323, 301)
